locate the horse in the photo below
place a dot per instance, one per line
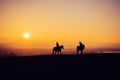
(57, 49)
(80, 48)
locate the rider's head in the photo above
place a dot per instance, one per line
(80, 43)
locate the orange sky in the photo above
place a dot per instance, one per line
(94, 22)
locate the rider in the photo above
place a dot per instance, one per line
(57, 44)
(81, 44)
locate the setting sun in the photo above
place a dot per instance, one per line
(26, 35)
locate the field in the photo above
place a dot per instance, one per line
(60, 63)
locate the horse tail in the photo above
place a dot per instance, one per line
(83, 46)
(53, 50)
(77, 49)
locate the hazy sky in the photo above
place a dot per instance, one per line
(94, 22)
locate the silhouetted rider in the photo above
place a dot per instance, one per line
(81, 44)
(57, 44)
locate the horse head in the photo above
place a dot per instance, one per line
(62, 46)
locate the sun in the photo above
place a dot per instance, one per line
(26, 35)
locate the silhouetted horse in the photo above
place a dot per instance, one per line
(57, 49)
(80, 48)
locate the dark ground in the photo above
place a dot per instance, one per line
(61, 67)
(61, 63)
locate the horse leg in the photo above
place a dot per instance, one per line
(81, 51)
(60, 52)
(77, 52)
(53, 53)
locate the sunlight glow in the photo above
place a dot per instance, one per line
(26, 35)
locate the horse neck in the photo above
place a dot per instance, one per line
(61, 46)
